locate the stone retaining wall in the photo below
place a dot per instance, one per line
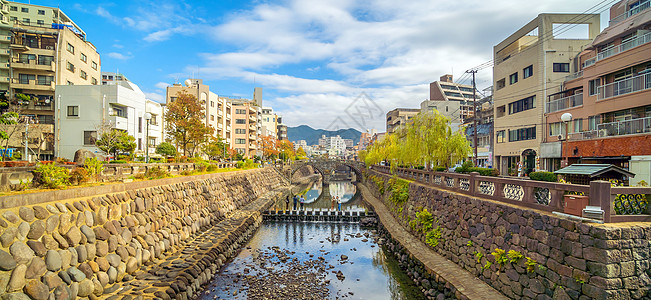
(573, 260)
(96, 246)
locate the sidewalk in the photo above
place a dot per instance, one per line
(466, 284)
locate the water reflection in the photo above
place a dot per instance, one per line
(345, 190)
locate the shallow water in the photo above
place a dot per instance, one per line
(368, 272)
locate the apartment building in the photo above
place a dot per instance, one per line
(282, 130)
(43, 48)
(529, 65)
(485, 123)
(399, 117)
(446, 90)
(245, 126)
(87, 110)
(269, 125)
(608, 97)
(108, 77)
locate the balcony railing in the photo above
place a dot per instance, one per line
(628, 127)
(625, 45)
(563, 103)
(574, 76)
(635, 10)
(625, 86)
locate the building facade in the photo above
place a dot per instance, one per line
(608, 97)
(245, 124)
(88, 110)
(451, 99)
(529, 65)
(399, 117)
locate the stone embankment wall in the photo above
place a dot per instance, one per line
(573, 260)
(155, 242)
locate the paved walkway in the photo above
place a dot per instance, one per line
(466, 284)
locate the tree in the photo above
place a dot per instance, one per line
(184, 123)
(215, 149)
(166, 149)
(286, 149)
(300, 152)
(116, 141)
(269, 146)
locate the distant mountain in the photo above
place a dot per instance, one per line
(312, 136)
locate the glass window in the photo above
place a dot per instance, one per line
(70, 67)
(562, 67)
(513, 78)
(70, 48)
(593, 121)
(41, 12)
(26, 21)
(84, 58)
(93, 65)
(45, 60)
(593, 86)
(522, 105)
(90, 137)
(578, 125)
(240, 121)
(44, 80)
(73, 111)
(240, 131)
(93, 81)
(26, 78)
(527, 72)
(83, 74)
(24, 9)
(522, 134)
(240, 141)
(40, 22)
(14, 8)
(501, 136)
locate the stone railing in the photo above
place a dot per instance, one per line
(545, 196)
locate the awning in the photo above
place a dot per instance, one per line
(592, 170)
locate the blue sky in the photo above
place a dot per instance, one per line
(327, 64)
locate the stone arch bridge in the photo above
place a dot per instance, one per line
(325, 167)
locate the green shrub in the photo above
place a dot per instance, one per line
(531, 265)
(166, 149)
(51, 176)
(156, 173)
(543, 176)
(212, 168)
(514, 256)
(79, 175)
(481, 171)
(439, 169)
(94, 167)
(426, 220)
(500, 256)
(399, 191)
(201, 166)
(118, 161)
(433, 236)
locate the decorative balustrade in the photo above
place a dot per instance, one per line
(620, 204)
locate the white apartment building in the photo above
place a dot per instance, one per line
(335, 145)
(83, 110)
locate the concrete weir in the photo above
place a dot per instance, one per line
(156, 239)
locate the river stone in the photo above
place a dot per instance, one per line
(86, 288)
(103, 278)
(86, 269)
(112, 274)
(101, 233)
(89, 233)
(73, 236)
(101, 248)
(26, 213)
(82, 255)
(7, 262)
(110, 227)
(53, 260)
(78, 206)
(15, 296)
(36, 230)
(21, 252)
(3, 223)
(70, 207)
(66, 258)
(40, 212)
(52, 280)
(17, 281)
(51, 223)
(11, 216)
(81, 219)
(74, 258)
(36, 268)
(76, 274)
(103, 263)
(113, 259)
(60, 240)
(98, 289)
(113, 243)
(62, 292)
(37, 246)
(102, 215)
(52, 209)
(37, 290)
(65, 277)
(8, 236)
(122, 270)
(50, 243)
(132, 265)
(90, 220)
(123, 253)
(93, 266)
(61, 207)
(74, 289)
(23, 230)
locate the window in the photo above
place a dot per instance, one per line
(70, 48)
(89, 137)
(93, 65)
(501, 136)
(152, 142)
(84, 58)
(14, 8)
(44, 80)
(240, 121)
(522, 134)
(93, 81)
(24, 9)
(593, 86)
(83, 74)
(562, 67)
(240, 111)
(501, 111)
(26, 58)
(70, 67)
(26, 21)
(41, 12)
(522, 105)
(240, 141)
(13, 19)
(139, 143)
(578, 125)
(172, 99)
(212, 117)
(139, 124)
(555, 128)
(40, 22)
(45, 60)
(240, 131)
(73, 111)
(527, 72)
(593, 121)
(212, 103)
(513, 78)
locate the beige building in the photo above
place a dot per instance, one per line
(270, 121)
(609, 98)
(245, 127)
(453, 100)
(529, 65)
(399, 117)
(45, 49)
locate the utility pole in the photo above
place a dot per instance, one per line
(474, 114)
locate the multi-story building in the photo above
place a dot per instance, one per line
(245, 123)
(484, 130)
(365, 139)
(529, 65)
(335, 145)
(451, 99)
(108, 77)
(45, 49)
(88, 110)
(269, 125)
(399, 117)
(608, 97)
(282, 130)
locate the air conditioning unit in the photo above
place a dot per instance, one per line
(49, 47)
(560, 137)
(603, 132)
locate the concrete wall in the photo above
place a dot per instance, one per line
(78, 247)
(579, 260)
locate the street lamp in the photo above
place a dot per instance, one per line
(147, 118)
(566, 118)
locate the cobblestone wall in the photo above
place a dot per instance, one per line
(573, 260)
(156, 242)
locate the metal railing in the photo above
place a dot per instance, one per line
(625, 45)
(634, 11)
(574, 76)
(624, 86)
(564, 103)
(627, 127)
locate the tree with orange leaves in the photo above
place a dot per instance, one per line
(185, 123)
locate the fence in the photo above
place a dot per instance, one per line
(545, 196)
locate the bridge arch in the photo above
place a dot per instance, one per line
(326, 166)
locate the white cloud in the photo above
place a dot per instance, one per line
(162, 85)
(119, 56)
(156, 97)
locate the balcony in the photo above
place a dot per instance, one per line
(564, 103)
(33, 65)
(625, 45)
(228, 128)
(32, 84)
(252, 127)
(228, 116)
(252, 137)
(5, 39)
(118, 121)
(634, 11)
(220, 113)
(252, 119)
(628, 127)
(219, 126)
(625, 86)
(574, 76)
